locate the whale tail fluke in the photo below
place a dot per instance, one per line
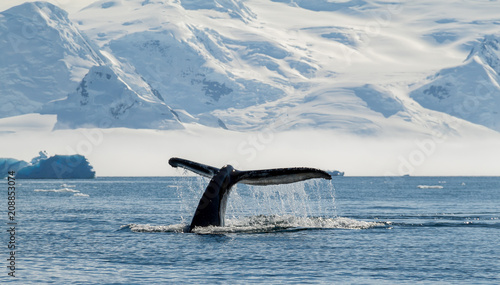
(254, 177)
(198, 168)
(212, 206)
(280, 175)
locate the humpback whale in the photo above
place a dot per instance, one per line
(212, 206)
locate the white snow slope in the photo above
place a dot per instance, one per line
(389, 78)
(43, 56)
(470, 91)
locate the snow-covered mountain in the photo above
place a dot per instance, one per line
(249, 65)
(47, 58)
(43, 56)
(194, 73)
(470, 91)
(104, 100)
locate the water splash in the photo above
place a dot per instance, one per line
(189, 191)
(307, 205)
(263, 224)
(178, 228)
(303, 199)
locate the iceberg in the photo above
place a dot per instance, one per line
(58, 167)
(337, 173)
(10, 164)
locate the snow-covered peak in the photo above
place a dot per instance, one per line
(469, 91)
(234, 8)
(104, 100)
(42, 56)
(193, 74)
(488, 50)
(45, 9)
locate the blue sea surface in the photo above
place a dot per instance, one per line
(353, 230)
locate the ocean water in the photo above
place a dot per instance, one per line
(353, 230)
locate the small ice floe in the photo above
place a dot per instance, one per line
(62, 190)
(77, 193)
(430, 187)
